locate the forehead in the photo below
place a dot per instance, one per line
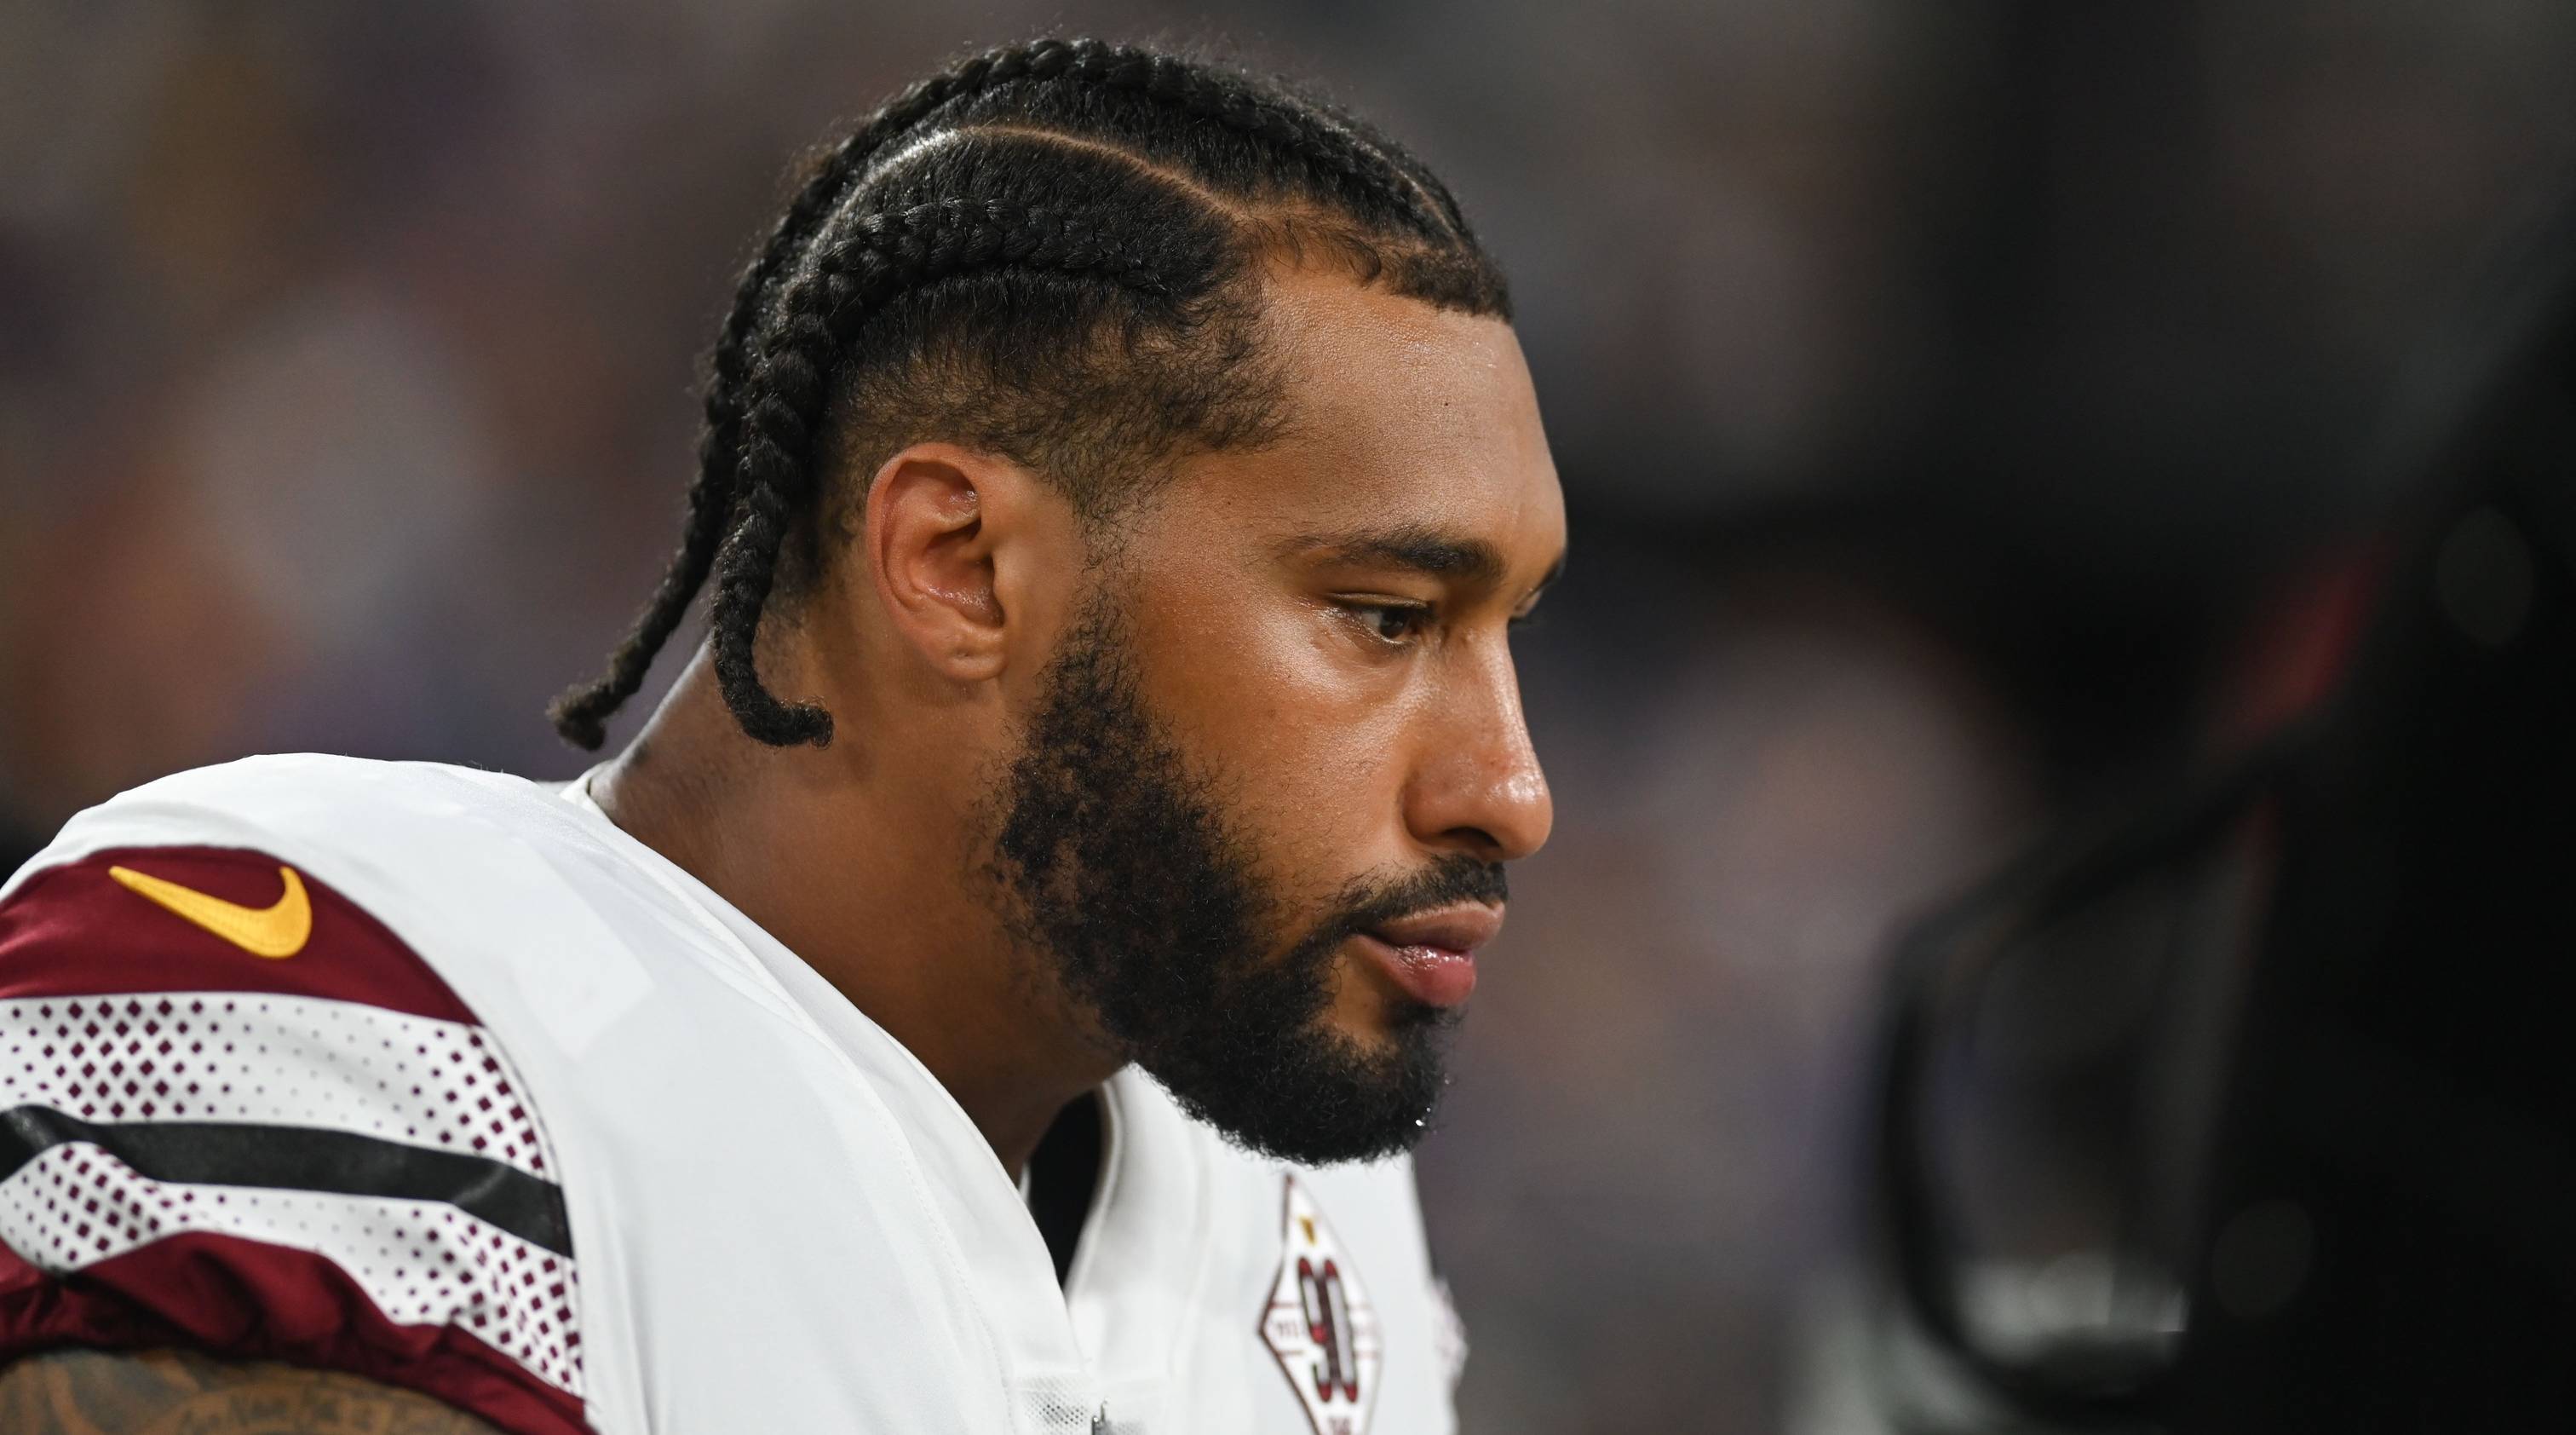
(1397, 414)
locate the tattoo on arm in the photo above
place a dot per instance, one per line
(93, 1392)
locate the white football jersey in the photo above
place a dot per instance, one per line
(437, 1077)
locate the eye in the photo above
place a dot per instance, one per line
(1394, 624)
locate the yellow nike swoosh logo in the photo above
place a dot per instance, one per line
(275, 932)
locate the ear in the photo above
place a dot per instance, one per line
(949, 533)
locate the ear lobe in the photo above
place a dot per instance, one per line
(931, 554)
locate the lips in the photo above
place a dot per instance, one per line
(1432, 955)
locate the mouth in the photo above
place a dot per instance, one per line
(1431, 956)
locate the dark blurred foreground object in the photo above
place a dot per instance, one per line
(2254, 1109)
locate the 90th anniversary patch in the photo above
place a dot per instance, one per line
(1321, 1323)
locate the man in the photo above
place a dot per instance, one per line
(973, 1002)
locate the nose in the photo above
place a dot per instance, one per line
(1477, 787)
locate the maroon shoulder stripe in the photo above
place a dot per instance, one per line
(248, 1300)
(76, 930)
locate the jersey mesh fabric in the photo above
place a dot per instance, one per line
(324, 1158)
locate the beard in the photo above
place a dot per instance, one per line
(1119, 866)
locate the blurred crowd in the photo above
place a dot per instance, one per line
(1929, 382)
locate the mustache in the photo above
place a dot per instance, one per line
(1446, 882)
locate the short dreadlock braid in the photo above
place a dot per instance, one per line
(1044, 252)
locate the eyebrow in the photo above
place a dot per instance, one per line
(1418, 547)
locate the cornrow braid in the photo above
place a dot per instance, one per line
(1059, 279)
(580, 714)
(885, 253)
(1326, 146)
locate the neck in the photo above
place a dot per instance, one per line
(857, 862)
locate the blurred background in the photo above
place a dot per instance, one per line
(1931, 384)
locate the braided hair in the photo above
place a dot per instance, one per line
(1049, 252)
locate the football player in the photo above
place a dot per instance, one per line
(998, 987)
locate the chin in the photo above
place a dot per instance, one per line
(1327, 1091)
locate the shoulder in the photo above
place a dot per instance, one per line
(195, 882)
(241, 1113)
(516, 900)
(311, 795)
(431, 1077)
(413, 888)
(385, 836)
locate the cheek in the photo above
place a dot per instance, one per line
(1306, 736)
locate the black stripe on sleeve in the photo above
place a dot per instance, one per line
(302, 1158)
